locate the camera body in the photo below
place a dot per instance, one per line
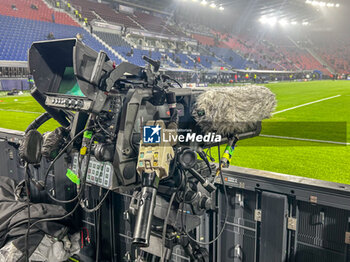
(71, 77)
(135, 130)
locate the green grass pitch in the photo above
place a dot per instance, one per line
(330, 120)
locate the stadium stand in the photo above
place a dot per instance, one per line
(34, 10)
(195, 28)
(260, 55)
(272, 53)
(17, 35)
(113, 40)
(27, 21)
(186, 62)
(208, 61)
(334, 50)
(337, 60)
(139, 20)
(204, 40)
(94, 10)
(151, 22)
(232, 58)
(134, 55)
(301, 59)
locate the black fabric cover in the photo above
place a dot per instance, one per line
(53, 142)
(30, 148)
(14, 218)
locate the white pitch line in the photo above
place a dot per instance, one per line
(20, 111)
(313, 102)
(306, 139)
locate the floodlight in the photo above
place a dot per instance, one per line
(294, 23)
(322, 3)
(272, 21)
(305, 23)
(212, 5)
(221, 8)
(204, 2)
(263, 20)
(283, 22)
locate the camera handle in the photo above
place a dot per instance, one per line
(146, 206)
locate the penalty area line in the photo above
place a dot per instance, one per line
(20, 111)
(307, 139)
(306, 104)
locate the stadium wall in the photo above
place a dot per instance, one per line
(11, 84)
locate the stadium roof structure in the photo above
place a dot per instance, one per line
(319, 16)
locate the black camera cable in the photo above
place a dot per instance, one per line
(167, 217)
(226, 213)
(27, 185)
(97, 207)
(168, 78)
(53, 162)
(78, 197)
(104, 129)
(165, 225)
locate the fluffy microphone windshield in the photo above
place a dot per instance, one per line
(233, 110)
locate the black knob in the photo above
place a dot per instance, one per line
(188, 158)
(104, 152)
(80, 103)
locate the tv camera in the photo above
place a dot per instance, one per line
(134, 129)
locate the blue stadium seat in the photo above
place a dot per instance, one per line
(17, 35)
